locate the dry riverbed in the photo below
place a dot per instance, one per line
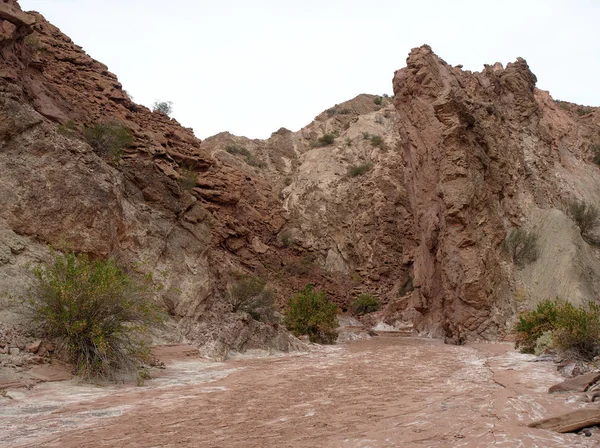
(380, 392)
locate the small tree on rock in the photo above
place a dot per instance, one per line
(166, 107)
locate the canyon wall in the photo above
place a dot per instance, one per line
(408, 198)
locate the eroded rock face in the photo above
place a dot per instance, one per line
(481, 151)
(54, 190)
(445, 169)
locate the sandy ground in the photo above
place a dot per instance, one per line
(381, 392)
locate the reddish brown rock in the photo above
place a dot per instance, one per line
(34, 346)
(571, 421)
(579, 383)
(481, 157)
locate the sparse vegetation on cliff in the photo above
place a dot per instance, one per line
(366, 303)
(586, 216)
(311, 313)
(325, 140)
(97, 311)
(250, 158)
(376, 140)
(560, 324)
(108, 139)
(166, 107)
(68, 128)
(250, 294)
(358, 170)
(522, 246)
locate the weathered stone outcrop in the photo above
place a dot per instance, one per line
(56, 191)
(482, 152)
(415, 191)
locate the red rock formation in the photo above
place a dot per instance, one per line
(478, 154)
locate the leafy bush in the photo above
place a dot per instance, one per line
(574, 330)
(359, 170)
(255, 161)
(97, 311)
(166, 107)
(583, 111)
(331, 111)
(522, 246)
(587, 217)
(242, 150)
(376, 140)
(325, 140)
(68, 128)
(366, 303)
(108, 139)
(532, 324)
(238, 149)
(543, 343)
(311, 313)
(378, 101)
(250, 295)
(287, 238)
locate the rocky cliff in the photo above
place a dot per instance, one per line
(56, 191)
(486, 152)
(408, 198)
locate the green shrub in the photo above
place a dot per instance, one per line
(376, 140)
(532, 324)
(366, 303)
(583, 111)
(359, 170)
(68, 128)
(108, 139)
(574, 330)
(251, 159)
(326, 140)
(287, 238)
(578, 330)
(522, 246)
(249, 294)
(165, 107)
(238, 149)
(366, 135)
(331, 112)
(97, 311)
(378, 101)
(311, 313)
(254, 161)
(543, 343)
(587, 217)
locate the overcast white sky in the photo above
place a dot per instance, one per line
(253, 66)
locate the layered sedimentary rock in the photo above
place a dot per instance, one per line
(377, 195)
(55, 190)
